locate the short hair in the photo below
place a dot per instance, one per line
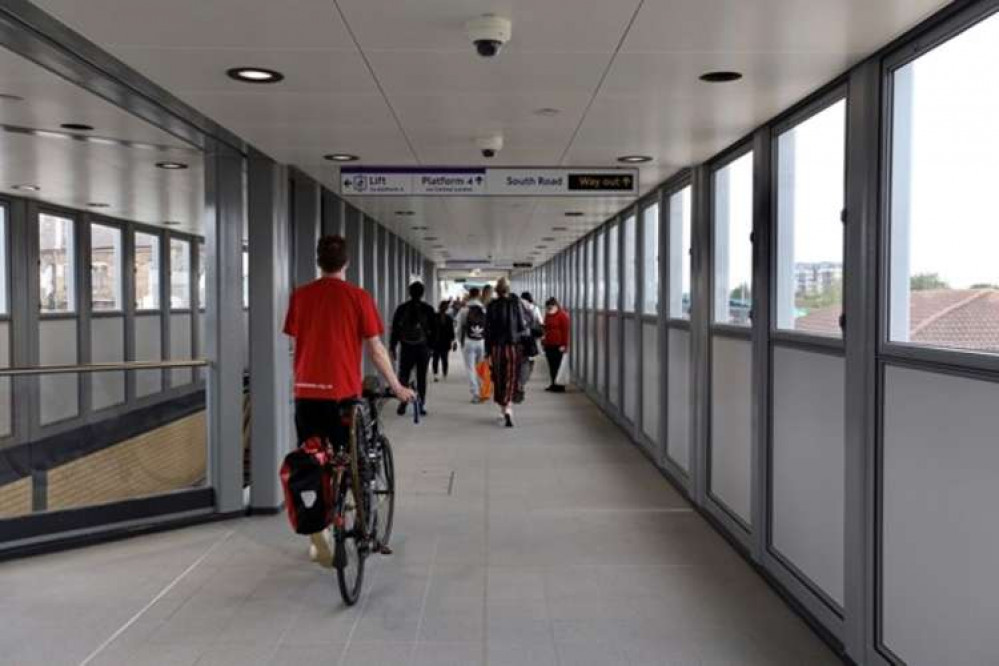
(416, 290)
(526, 296)
(552, 302)
(502, 286)
(474, 292)
(331, 253)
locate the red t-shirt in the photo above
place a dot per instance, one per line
(330, 320)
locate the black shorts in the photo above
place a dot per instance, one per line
(322, 418)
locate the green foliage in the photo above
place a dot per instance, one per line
(927, 281)
(832, 295)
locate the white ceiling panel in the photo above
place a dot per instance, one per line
(261, 24)
(253, 109)
(539, 26)
(475, 111)
(773, 26)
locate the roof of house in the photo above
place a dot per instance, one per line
(958, 318)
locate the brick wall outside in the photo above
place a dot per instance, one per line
(168, 458)
(15, 498)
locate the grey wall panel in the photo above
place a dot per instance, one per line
(6, 422)
(107, 345)
(180, 347)
(614, 358)
(731, 439)
(631, 369)
(199, 331)
(591, 354)
(940, 536)
(148, 347)
(59, 394)
(807, 468)
(600, 357)
(678, 399)
(651, 370)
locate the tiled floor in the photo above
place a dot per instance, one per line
(558, 545)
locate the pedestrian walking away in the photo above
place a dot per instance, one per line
(532, 318)
(472, 335)
(414, 334)
(555, 341)
(444, 344)
(506, 331)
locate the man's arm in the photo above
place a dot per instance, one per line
(461, 325)
(382, 362)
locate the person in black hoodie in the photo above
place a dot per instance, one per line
(445, 343)
(505, 333)
(414, 329)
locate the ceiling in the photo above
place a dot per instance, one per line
(398, 83)
(115, 164)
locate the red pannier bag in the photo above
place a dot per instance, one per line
(308, 487)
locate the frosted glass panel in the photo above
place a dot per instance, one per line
(59, 394)
(614, 357)
(5, 406)
(731, 424)
(601, 353)
(180, 347)
(678, 396)
(148, 347)
(631, 378)
(107, 345)
(650, 382)
(808, 465)
(941, 545)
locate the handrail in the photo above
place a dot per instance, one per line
(101, 367)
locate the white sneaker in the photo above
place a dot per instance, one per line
(320, 550)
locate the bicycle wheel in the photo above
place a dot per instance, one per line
(348, 556)
(384, 492)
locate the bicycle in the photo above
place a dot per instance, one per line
(364, 491)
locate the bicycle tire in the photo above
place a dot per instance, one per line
(348, 548)
(385, 509)
(355, 450)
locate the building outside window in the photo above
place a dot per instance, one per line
(810, 199)
(147, 271)
(56, 264)
(629, 264)
(680, 248)
(105, 268)
(944, 276)
(733, 253)
(180, 274)
(650, 258)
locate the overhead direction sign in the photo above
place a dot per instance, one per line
(488, 182)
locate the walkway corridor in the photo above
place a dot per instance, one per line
(555, 543)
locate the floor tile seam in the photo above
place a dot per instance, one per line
(162, 594)
(423, 603)
(341, 660)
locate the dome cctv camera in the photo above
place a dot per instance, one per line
(489, 34)
(490, 145)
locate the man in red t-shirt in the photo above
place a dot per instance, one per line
(330, 320)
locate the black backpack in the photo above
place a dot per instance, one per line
(475, 323)
(414, 330)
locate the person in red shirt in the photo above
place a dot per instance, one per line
(330, 321)
(556, 340)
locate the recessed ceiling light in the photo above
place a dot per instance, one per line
(171, 166)
(542, 247)
(341, 157)
(548, 238)
(430, 238)
(634, 159)
(404, 213)
(254, 75)
(98, 204)
(24, 187)
(6, 97)
(172, 223)
(420, 228)
(574, 213)
(560, 228)
(79, 127)
(720, 77)
(547, 112)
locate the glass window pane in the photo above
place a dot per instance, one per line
(147, 271)
(3, 260)
(733, 224)
(613, 272)
(944, 287)
(599, 272)
(810, 199)
(56, 263)
(680, 251)
(650, 259)
(246, 278)
(180, 274)
(630, 269)
(591, 283)
(202, 267)
(105, 268)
